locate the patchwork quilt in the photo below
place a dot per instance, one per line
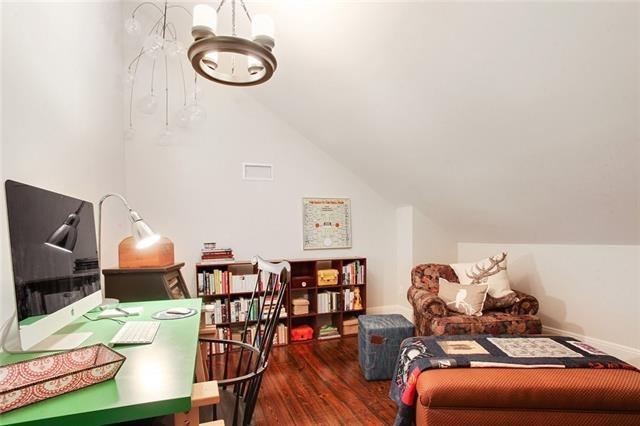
(418, 354)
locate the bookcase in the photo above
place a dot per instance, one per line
(220, 291)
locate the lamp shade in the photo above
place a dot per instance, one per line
(205, 21)
(64, 238)
(142, 233)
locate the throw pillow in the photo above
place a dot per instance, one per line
(466, 299)
(491, 271)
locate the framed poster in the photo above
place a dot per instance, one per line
(326, 223)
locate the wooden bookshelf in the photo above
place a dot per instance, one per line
(304, 274)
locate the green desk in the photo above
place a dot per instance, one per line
(154, 380)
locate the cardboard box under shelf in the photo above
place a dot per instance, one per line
(350, 327)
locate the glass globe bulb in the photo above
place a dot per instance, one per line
(173, 48)
(132, 26)
(152, 45)
(165, 138)
(129, 134)
(148, 104)
(198, 114)
(183, 117)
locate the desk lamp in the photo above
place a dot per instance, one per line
(64, 238)
(143, 236)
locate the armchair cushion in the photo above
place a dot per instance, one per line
(491, 271)
(491, 322)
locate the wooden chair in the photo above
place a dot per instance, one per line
(240, 368)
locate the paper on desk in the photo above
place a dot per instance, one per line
(114, 313)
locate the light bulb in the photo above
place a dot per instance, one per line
(132, 26)
(211, 60)
(129, 134)
(197, 115)
(166, 137)
(183, 117)
(255, 66)
(262, 30)
(152, 45)
(205, 21)
(148, 104)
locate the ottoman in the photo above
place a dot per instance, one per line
(539, 396)
(379, 340)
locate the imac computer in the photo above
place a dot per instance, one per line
(55, 267)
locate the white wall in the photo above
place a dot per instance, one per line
(586, 290)
(193, 191)
(61, 109)
(418, 240)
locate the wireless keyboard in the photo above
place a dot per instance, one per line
(136, 332)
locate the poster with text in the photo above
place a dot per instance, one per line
(326, 223)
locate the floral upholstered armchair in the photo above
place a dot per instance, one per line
(512, 314)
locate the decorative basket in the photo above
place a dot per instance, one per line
(26, 382)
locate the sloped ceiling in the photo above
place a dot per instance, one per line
(503, 122)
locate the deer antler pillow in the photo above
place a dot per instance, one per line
(491, 271)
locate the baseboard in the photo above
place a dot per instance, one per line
(625, 353)
(392, 309)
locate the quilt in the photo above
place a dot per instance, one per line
(418, 354)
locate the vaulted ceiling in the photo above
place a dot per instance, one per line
(501, 121)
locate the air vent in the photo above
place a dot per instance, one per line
(256, 171)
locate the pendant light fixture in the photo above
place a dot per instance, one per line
(231, 59)
(164, 54)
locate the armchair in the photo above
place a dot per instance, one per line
(512, 314)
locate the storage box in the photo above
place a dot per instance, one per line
(328, 277)
(350, 327)
(157, 255)
(26, 382)
(301, 333)
(379, 339)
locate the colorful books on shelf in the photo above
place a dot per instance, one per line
(328, 331)
(242, 309)
(353, 273)
(215, 313)
(328, 301)
(211, 254)
(349, 299)
(213, 282)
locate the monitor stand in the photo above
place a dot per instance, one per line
(10, 340)
(60, 342)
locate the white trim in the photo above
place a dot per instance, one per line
(392, 309)
(625, 353)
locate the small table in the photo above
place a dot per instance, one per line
(155, 379)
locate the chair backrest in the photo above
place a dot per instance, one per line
(426, 276)
(267, 299)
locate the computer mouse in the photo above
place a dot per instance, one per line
(178, 311)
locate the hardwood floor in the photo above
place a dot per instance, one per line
(320, 383)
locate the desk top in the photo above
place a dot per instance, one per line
(154, 380)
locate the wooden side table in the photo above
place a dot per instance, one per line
(143, 284)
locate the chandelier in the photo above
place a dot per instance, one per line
(230, 59)
(164, 53)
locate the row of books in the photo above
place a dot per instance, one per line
(328, 301)
(353, 273)
(223, 282)
(352, 299)
(328, 331)
(216, 312)
(281, 336)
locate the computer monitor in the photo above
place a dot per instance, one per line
(55, 264)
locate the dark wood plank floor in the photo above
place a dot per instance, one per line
(320, 383)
